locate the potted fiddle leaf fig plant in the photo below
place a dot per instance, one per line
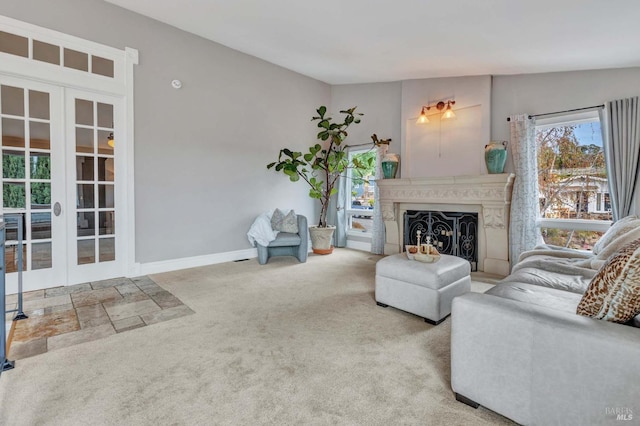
(321, 167)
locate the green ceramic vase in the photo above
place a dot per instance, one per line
(495, 156)
(390, 165)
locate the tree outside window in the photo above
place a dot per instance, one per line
(361, 198)
(40, 191)
(572, 180)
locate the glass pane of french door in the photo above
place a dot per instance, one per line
(92, 141)
(32, 182)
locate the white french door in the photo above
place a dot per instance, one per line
(66, 136)
(33, 178)
(94, 243)
(59, 176)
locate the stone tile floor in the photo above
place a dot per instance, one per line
(65, 316)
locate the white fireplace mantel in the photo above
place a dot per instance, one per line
(489, 195)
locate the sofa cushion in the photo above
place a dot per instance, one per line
(614, 293)
(284, 223)
(574, 283)
(537, 295)
(616, 230)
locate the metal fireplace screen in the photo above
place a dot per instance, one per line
(451, 233)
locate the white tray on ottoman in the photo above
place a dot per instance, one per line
(423, 289)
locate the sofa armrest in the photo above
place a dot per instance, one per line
(537, 365)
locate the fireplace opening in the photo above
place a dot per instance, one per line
(453, 233)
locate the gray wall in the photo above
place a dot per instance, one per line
(549, 92)
(445, 147)
(510, 94)
(380, 104)
(504, 96)
(200, 152)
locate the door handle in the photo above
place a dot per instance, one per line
(57, 209)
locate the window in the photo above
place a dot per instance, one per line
(572, 179)
(18, 45)
(607, 202)
(360, 195)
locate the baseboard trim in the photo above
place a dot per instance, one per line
(193, 262)
(359, 245)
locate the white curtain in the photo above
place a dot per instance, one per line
(523, 233)
(378, 237)
(337, 214)
(620, 123)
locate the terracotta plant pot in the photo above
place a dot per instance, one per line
(321, 239)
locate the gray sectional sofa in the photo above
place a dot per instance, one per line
(521, 350)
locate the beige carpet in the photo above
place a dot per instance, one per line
(284, 343)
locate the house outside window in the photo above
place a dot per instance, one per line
(360, 196)
(572, 179)
(607, 202)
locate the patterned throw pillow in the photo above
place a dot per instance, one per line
(284, 223)
(290, 223)
(614, 293)
(276, 220)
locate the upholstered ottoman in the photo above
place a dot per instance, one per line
(424, 289)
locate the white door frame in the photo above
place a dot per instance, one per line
(121, 85)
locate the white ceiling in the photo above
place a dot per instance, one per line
(360, 41)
